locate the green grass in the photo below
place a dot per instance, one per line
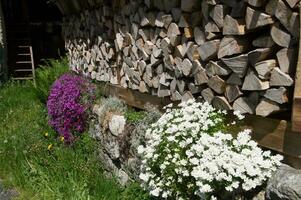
(63, 172)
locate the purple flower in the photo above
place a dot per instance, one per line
(68, 105)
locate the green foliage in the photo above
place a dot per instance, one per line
(46, 74)
(111, 104)
(135, 192)
(134, 116)
(39, 165)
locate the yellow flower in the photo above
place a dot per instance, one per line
(62, 139)
(46, 134)
(49, 147)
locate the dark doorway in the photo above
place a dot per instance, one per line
(33, 22)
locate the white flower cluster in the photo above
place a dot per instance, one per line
(186, 155)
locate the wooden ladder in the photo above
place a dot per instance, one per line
(25, 65)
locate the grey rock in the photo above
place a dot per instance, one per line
(285, 184)
(117, 124)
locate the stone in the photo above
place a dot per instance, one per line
(123, 178)
(284, 184)
(117, 125)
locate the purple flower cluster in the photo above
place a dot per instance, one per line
(68, 105)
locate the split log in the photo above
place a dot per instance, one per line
(280, 37)
(190, 5)
(187, 96)
(233, 26)
(279, 78)
(258, 55)
(243, 105)
(287, 60)
(176, 96)
(253, 83)
(237, 64)
(199, 36)
(221, 103)
(256, 19)
(207, 94)
(278, 95)
(232, 45)
(234, 79)
(266, 107)
(256, 3)
(173, 30)
(211, 27)
(184, 21)
(194, 89)
(217, 14)
(217, 68)
(232, 92)
(187, 66)
(217, 84)
(264, 41)
(264, 68)
(209, 49)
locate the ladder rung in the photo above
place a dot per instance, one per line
(23, 78)
(23, 62)
(23, 70)
(24, 54)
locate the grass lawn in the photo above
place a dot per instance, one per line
(39, 165)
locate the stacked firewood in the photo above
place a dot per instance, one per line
(235, 54)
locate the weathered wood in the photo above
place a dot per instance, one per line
(232, 92)
(287, 60)
(278, 95)
(190, 5)
(234, 79)
(173, 30)
(264, 41)
(209, 49)
(221, 103)
(280, 37)
(264, 68)
(217, 84)
(237, 64)
(266, 107)
(279, 78)
(207, 94)
(231, 46)
(233, 26)
(256, 19)
(217, 68)
(296, 114)
(244, 105)
(217, 14)
(199, 36)
(257, 3)
(253, 83)
(258, 55)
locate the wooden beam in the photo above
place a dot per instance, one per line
(296, 114)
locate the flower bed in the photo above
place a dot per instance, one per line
(68, 105)
(188, 156)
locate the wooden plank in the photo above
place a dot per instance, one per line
(276, 135)
(132, 97)
(296, 114)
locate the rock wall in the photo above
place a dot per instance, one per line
(3, 49)
(236, 54)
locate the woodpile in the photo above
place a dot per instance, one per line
(238, 54)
